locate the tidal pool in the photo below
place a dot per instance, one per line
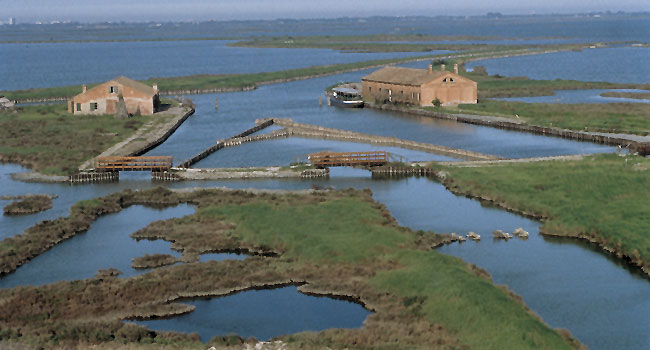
(263, 314)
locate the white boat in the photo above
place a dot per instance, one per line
(346, 97)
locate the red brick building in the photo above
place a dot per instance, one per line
(102, 99)
(418, 86)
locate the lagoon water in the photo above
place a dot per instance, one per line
(299, 101)
(26, 66)
(572, 285)
(105, 245)
(263, 314)
(611, 64)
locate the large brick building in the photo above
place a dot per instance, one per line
(418, 86)
(102, 99)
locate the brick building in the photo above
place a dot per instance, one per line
(418, 86)
(102, 99)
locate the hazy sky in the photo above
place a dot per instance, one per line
(151, 10)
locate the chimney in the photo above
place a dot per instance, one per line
(456, 68)
(83, 88)
(442, 67)
(430, 69)
(155, 86)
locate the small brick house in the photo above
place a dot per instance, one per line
(418, 86)
(102, 99)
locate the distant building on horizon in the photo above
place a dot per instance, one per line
(12, 21)
(102, 99)
(418, 86)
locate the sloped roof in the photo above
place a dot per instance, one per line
(135, 85)
(403, 76)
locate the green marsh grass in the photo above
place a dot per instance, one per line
(48, 139)
(603, 197)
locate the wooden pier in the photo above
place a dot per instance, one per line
(330, 159)
(113, 164)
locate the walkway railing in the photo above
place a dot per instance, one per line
(330, 159)
(159, 163)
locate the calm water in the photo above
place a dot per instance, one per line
(263, 314)
(299, 100)
(577, 27)
(580, 96)
(106, 244)
(27, 66)
(615, 64)
(552, 276)
(569, 284)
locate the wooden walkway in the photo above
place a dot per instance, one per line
(160, 163)
(330, 159)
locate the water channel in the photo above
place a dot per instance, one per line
(571, 285)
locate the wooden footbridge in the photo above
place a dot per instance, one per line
(330, 159)
(153, 164)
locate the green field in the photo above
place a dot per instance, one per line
(635, 95)
(628, 118)
(49, 140)
(338, 242)
(601, 197)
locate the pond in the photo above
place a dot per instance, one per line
(263, 314)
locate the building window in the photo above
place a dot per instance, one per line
(369, 88)
(418, 96)
(78, 107)
(379, 89)
(112, 89)
(93, 106)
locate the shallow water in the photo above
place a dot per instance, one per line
(105, 245)
(568, 284)
(299, 101)
(612, 64)
(28, 66)
(263, 314)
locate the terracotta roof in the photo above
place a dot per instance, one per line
(403, 76)
(135, 85)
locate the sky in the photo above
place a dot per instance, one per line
(183, 10)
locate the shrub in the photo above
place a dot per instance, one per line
(436, 102)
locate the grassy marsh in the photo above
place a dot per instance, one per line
(628, 118)
(602, 198)
(335, 242)
(48, 139)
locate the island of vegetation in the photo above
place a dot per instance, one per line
(29, 204)
(337, 243)
(155, 260)
(634, 95)
(599, 198)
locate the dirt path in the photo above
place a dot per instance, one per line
(146, 137)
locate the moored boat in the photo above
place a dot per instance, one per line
(346, 97)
